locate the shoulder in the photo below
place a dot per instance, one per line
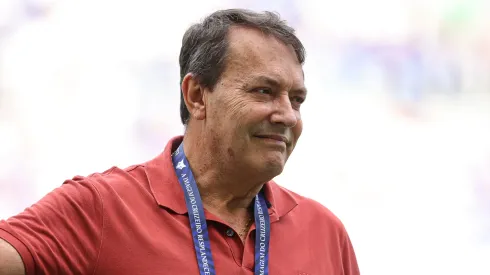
(114, 179)
(313, 212)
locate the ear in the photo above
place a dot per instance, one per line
(194, 97)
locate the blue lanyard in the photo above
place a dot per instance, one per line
(199, 227)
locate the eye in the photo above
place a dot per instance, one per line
(298, 99)
(265, 91)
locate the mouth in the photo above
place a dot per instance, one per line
(276, 138)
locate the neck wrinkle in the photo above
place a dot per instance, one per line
(219, 186)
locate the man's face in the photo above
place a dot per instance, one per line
(254, 109)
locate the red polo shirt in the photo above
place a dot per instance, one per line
(134, 221)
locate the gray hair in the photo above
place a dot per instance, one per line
(204, 45)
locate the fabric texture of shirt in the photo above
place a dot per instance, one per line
(134, 221)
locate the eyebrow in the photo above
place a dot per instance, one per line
(274, 83)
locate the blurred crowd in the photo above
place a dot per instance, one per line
(397, 119)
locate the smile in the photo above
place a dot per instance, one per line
(278, 139)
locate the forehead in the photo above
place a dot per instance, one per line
(252, 52)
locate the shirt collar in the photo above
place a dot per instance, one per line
(167, 192)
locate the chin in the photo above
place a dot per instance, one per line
(274, 171)
(272, 166)
(266, 164)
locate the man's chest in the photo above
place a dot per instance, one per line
(170, 250)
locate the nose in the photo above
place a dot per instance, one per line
(284, 112)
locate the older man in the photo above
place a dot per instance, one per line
(207, 204)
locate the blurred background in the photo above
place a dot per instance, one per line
(397, 121)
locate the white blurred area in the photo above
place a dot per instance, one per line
(397, 122)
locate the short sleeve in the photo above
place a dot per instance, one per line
(60, 234)
(349, 260)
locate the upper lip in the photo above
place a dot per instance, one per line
(276, 137)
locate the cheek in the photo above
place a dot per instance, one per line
(241, 113)
(231, 119)
(236, 107)
(298, 129)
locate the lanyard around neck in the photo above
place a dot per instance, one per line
(202, 244)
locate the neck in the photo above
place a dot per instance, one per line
(224, 191)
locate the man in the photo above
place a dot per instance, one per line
(207, 204)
